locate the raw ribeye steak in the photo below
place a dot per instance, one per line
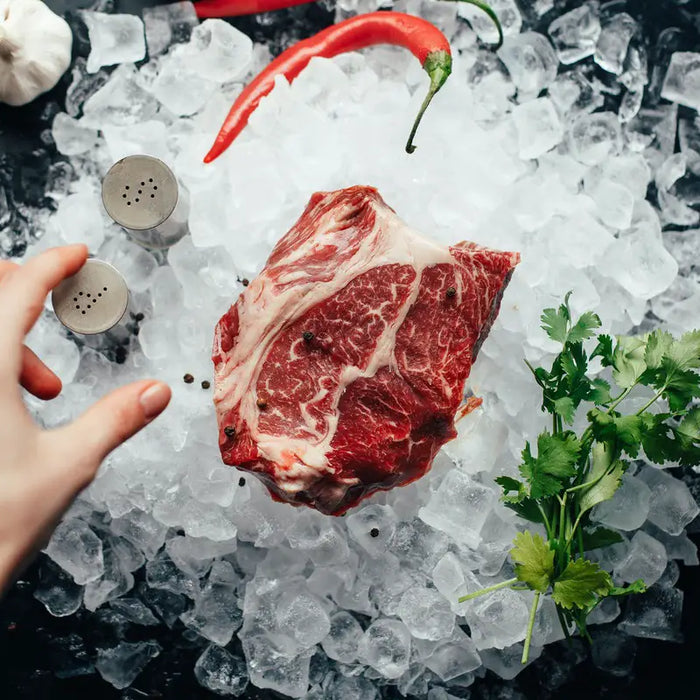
(341, 367)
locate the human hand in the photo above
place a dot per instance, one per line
(41, 471)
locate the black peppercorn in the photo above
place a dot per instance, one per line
(188, 378)
(308, 336)
(205, 384)
(451, 291)
(374, 532)
(241, 481)
(229, 431)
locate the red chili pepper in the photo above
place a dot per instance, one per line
(427, 43)
(234, 8)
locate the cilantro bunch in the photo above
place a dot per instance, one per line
(569, 474)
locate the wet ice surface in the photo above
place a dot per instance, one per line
(272, 594)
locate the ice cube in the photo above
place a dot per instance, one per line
(142, 530)
(682, 82)
(426, 613)
(69, 657)
(655, 614)
(342, 640)
(615, 202)
(595, 137)
(113, 39)
(454, 658)
(135, 610)
(169, 606)
(77, 550)
(57, 590)
(629, 507)
(613, 652)
(221, 672)
(313, 533)
(671, 506)
(120, 665)
(114, 582)
(71, 137)
(386, 647)
(216, 615)
(58, 353)
(615, 37)
(575, 33)
(219, 52)
(459, 507)
(498, 619)
(531, 62)
(302, 616)
(168, 24)
(162, 573)
(372, 527)
(508, 15)
(538, 126)
(417, 544)
(83, 85)
(572, 94)
(507, 663)
(270, 669)
(646, 559)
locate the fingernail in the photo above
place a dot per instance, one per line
(155, 399)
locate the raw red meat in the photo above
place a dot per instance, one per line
(341, 367)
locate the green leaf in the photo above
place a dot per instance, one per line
(584, 327)
(637, 586)
(565, 408)
(604, 350)
(690, 425)
(624, 431)
(509, 484)
(680, 386)
(526, 508)
(658, 344)
(555, 323)
(556, 460)
(600, 537)
(685, 352)
(580, 583)
(600, 392)
(604, 479)
(534, 560)
(628, 361)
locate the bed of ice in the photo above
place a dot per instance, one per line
(520, 150)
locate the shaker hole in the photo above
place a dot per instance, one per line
(150, 179)
(83, 313)
(104, 289)
(152, 196)
(137, 199)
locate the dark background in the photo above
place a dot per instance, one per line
(34, 646)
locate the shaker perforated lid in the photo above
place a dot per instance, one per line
(93, 300)
(139, 192)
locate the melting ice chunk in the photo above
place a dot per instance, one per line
(629, 508)
(426, 613)
(168, 24)
(121, 664)
(575, 33)
(531, 62)
(646, 559)
(671, 506)
(613, 42)
(113, 39)
(343, 637)
(682, 82)
(538, 126)
(386, 647)
(221, 672)
(77, 550)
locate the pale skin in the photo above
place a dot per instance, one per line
(42, 471)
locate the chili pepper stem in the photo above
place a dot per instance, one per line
(438, 65)
(487, 9)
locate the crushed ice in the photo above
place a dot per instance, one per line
(515, 153)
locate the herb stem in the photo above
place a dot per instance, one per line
(656, 397)
(484, 591)
(562, 622)
(547, 526)
(621, 398)
(530, 627)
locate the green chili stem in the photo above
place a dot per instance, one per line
(483, 6)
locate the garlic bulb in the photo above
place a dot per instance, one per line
(35, 50)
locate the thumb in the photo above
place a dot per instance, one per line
(109, 423)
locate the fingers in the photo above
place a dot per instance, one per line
(37, 378)
(106, 425)
(24, 289)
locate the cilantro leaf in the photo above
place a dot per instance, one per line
(628, 361)
(526, 508)
(599, 537)
(584, 327)
(658, 344)
(534, 560)
(565, 408)
(509, 484)
(579, 583)
(600, 392)
(603, 489)
(604, 350)
(680, 386)
(555, 323)
(685, 352)
(556, 460)
(637, 586)
(623, 431)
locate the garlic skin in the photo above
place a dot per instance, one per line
(35, 50)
